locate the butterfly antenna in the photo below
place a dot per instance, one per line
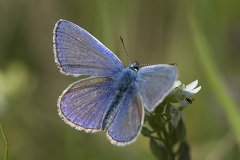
(124, 48)
(174, 64)
(145, 64)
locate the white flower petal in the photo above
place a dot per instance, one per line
(175, 114)
(174, 121)
(191, 86)
(183, 103)
(182, 114)
(192, 92)
(196, 90)
(187, 94)
(176, 83)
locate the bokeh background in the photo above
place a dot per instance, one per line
(202, 37)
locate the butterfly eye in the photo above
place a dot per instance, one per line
(134, 66)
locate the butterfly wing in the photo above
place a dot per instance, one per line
(127, 124)
(82, 105)
(77, 52)
(154, 83)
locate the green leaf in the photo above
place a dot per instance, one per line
(181, 130)
(183, 151)
(157, 150)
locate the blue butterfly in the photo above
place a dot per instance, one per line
(113, 98)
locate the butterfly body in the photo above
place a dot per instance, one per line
(113, 98)
(123, 85)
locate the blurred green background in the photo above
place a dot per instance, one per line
(202, 37)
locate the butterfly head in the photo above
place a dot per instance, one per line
(134, 66)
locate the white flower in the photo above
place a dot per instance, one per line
(180, 94)
(175, 114)
(183, 93)
(176, 84)
(190, 89)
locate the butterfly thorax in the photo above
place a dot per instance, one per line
(125, 84)
(127, 77)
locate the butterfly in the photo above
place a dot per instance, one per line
(114, 98)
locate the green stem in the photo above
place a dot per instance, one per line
(6, 141)
(229, 107)
(167, 143)
(157, 138)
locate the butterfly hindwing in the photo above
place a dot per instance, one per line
(83, 104)
(127, 124)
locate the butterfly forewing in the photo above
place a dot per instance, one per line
(77, 52)
(83, 104)
(154, 83)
